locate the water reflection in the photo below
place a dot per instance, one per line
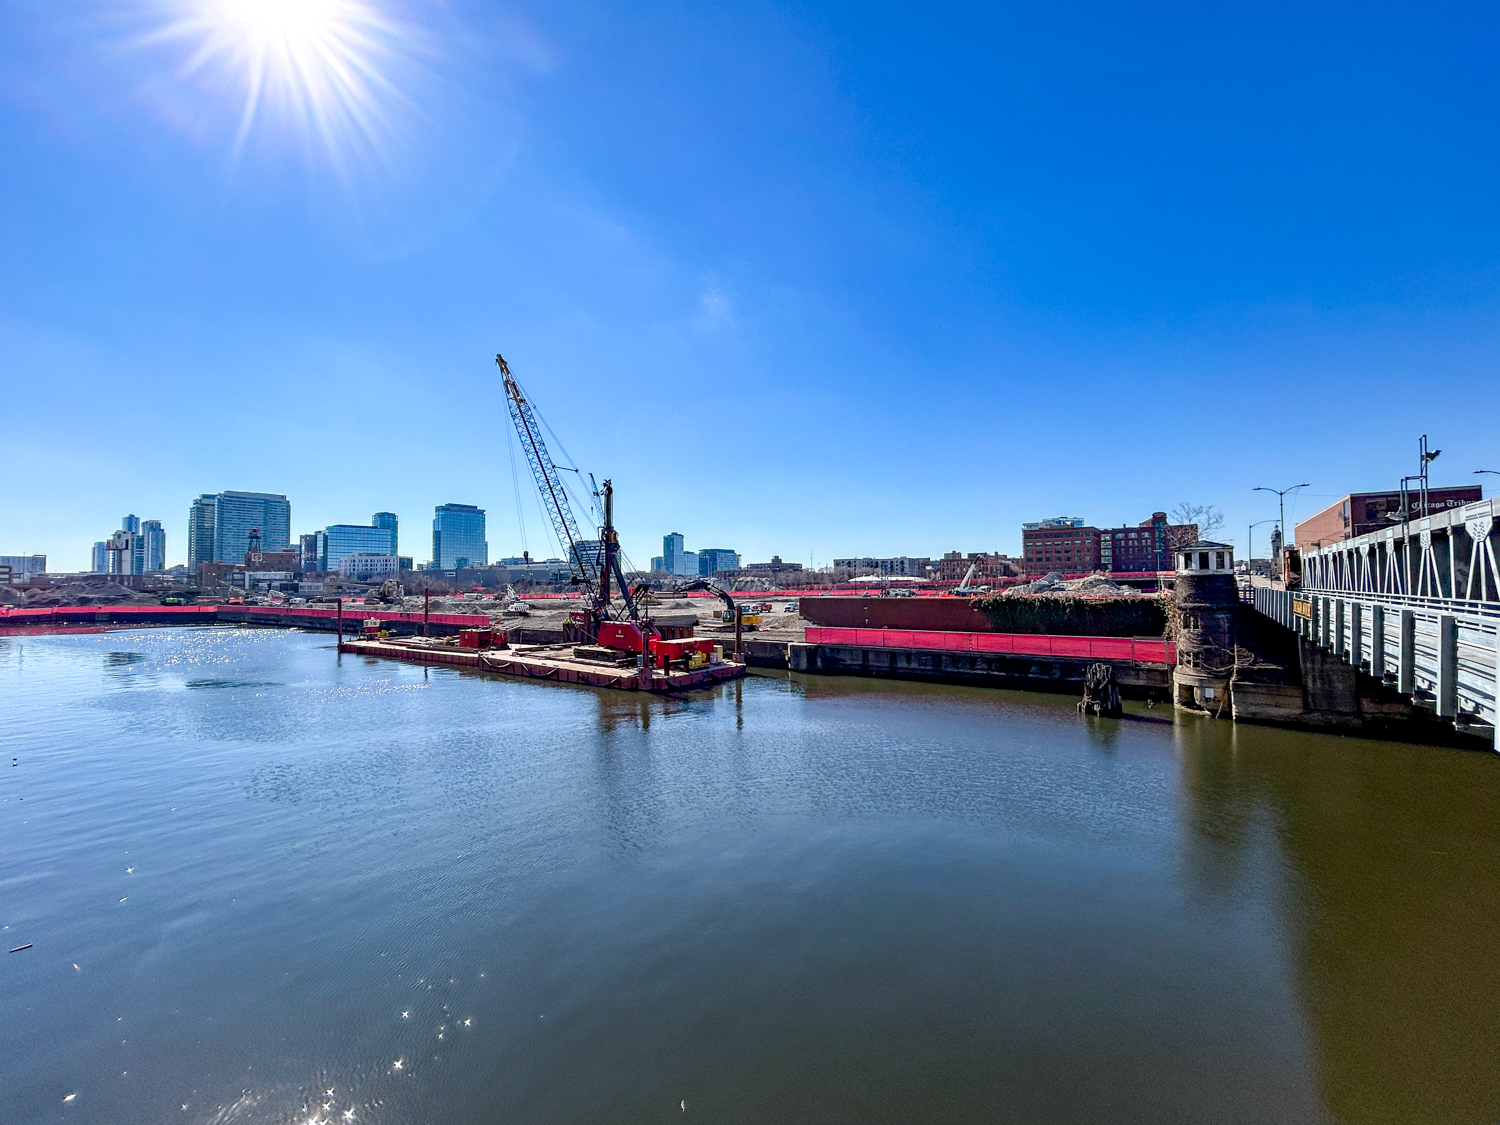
(1386, 884)
(792, 898)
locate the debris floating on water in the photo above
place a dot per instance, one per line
(18, 948)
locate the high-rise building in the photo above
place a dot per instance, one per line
(671, 548)
(458, 537)
(711, 560)
(236, 513)
(309, 546)
(387, 520)
(591, 554)
(200, 532)
(338, 541)
(148, 547)
(687, 563)
(146, 554)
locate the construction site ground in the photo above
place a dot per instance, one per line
(547, 616)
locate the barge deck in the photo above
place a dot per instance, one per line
(544, 662)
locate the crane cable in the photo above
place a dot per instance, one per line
(515, 482)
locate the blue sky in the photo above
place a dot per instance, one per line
(814, 279)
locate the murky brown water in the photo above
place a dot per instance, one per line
(263, 885)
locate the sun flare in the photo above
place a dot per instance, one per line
(316, 63)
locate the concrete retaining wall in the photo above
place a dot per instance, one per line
(1137, 680)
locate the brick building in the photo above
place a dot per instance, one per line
(1062, 543)
(1066, 544)
(1144, 547)
(987, 567)
(1362, 512)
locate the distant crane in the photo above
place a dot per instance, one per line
(555, 500)
(964, 589)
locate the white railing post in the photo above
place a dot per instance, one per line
(1495, 685)
(1447, 666)
(1406, 669)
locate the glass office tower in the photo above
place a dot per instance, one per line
(235, 513)
(338, 542)
(458, 537)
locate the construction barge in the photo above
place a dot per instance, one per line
(559, 663)
(612, 642)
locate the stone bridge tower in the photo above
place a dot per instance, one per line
(1205, 619)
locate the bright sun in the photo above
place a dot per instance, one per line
(281, 19)
(316, 61)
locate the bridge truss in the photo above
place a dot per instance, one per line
(1416, 605)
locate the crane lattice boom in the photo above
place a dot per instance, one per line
(554, 497)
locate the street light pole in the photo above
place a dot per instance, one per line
(1250, 545)
(1281, 506)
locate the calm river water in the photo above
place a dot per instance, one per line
(265, 884)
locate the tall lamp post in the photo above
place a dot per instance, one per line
(1281, 507)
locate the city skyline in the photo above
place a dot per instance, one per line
(1314, 503)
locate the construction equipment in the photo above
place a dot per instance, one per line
(599, 623)
(964, 590)
(732, 612)
(595, 582)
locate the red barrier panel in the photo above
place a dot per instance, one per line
(124, 613)
(1021, 644)
(74, 612)
(357, 613)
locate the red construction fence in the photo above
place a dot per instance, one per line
(191, 614)
(1019, 644)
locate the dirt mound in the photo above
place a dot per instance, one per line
(1099, 584)
(88, 593)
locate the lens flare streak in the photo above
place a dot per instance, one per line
(317, 61)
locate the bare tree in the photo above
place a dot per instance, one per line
(1207, 517)
(420, 582)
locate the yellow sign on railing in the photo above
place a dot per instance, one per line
(1302, 607)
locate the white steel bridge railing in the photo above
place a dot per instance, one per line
(1441, 652)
